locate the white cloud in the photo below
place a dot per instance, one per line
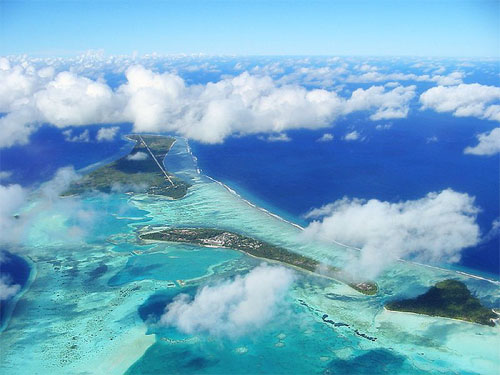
(432, 139)
(281, 137)
(385, 104)
(383, 126)
(327, 137)
(107, 134)
(73, 100)
(16, 219)
(51, 190)
(16, 127)
(489, 144)
(241, 105)
(7, 289)
(315, 76)
(431, 229)
(5, 175)
(12, 197)
(155, 102)
(464, 100)
(493, 232)
(453, 78)
(366, 68)
(352, 136)
(138, 156)
(153, 99)
(233, 307)
(82, 137)
(70, 220)
(17, 85)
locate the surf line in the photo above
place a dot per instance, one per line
(194, 158)
(330, 240)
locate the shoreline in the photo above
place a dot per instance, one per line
(232, 191)
(131, 346)
(245, 253)
(24, 290)
(315, 273)
(439, 317)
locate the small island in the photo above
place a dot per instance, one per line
(141, 171)
(450, 299)
(209, 237)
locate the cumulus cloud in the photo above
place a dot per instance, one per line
(12, 198)
(489, 144)
(74, 100)
(383, 126)
(327, 137)
(281, 137)
(464, 100)
(51, 190)
(107, 134)
(5, 175)
(125, 188)
(16, 217)
(494, 231)
(153, 99)
(30, 98)
(7, 289)
(453, 78)
(82, 137)
(16, 127)
(386, 105)
(18, 84)
(352, 136)
(233, 307)
(163, 102)
(72, 219)
(325, 76)
(138, 156)
(244, 104)
(433, 229)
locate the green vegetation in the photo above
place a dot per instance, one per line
(449, 299)
(138, 171)
(254, 247)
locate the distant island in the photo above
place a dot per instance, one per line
(450, 299)
(254, 247)
(140, 171)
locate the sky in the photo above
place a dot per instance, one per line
(447, 28)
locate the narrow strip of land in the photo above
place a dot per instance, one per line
(137, 175)
(156, 160)
(449, 299)
(221, 238)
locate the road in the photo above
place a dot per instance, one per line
(156, 160)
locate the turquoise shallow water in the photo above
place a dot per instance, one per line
(188, 263)
(94, 305)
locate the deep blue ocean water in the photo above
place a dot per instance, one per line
(415, 156)
(17, 271)
(48, 151)
(400, 163)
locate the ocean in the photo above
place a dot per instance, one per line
(95, 303)
(405, 161)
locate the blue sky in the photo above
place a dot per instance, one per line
(402, 27)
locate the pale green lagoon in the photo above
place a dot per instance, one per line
(81, 314)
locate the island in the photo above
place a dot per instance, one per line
(210, 237)
(450, 299)
(140, 171)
